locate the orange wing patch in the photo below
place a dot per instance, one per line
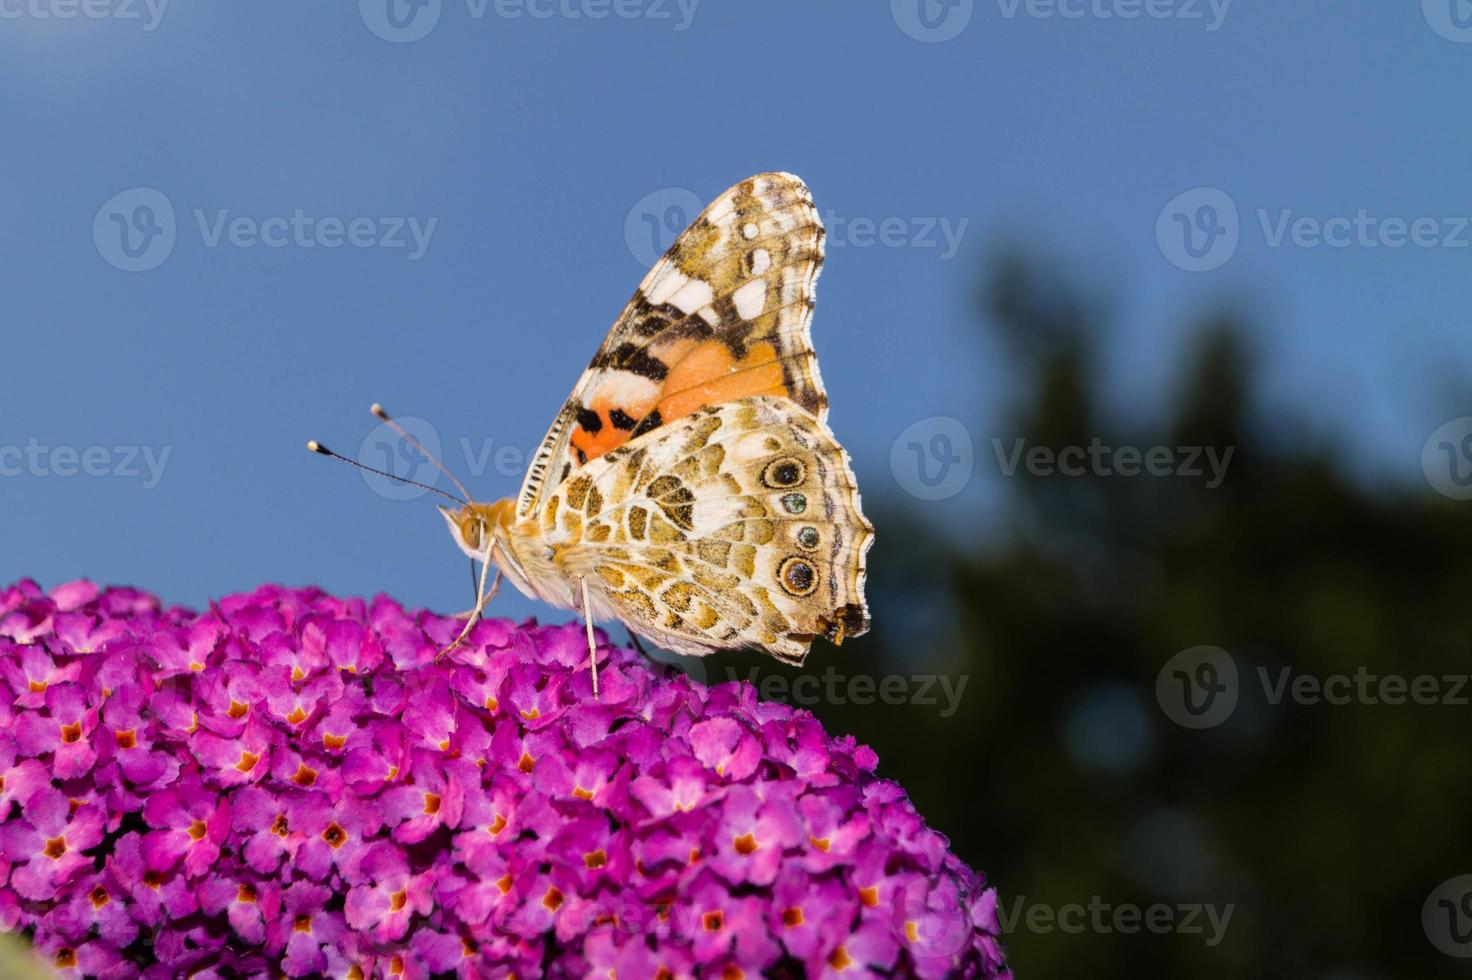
(708, 373)
(723, 316)
(705, 372)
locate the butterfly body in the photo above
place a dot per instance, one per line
(690, 487)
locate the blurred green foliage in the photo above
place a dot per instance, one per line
(1324, 827)
(17, 962)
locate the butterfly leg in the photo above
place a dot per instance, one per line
(482, 597)
(638, 645)
(588, 622)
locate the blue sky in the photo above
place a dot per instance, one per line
(531, 144)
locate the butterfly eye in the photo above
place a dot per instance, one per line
(470, 531)
(782, 473)
(797, 577)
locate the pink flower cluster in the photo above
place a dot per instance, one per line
(288, 782)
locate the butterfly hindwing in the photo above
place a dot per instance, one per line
(738, 524)
(724, 315)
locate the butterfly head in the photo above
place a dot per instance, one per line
(472, 523)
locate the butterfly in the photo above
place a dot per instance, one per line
(690, 487)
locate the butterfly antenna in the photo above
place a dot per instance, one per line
(322, 450)
(383, 416)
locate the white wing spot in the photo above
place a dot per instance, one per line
(751, 299)
(692, 296)
(665, 282)
(749, 230)
(761, 261)
(685, 293)
(625, 387)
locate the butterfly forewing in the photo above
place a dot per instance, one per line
(724, 315)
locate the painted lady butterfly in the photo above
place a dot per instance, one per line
(690, 488)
